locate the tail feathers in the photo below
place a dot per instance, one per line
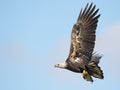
(92, 69)
(95, 71)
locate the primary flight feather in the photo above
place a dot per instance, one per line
(81, 58)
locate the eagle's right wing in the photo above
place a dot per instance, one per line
(83, 32)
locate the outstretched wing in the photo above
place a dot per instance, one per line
(83, 32)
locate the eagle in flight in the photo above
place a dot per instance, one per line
(81, 58)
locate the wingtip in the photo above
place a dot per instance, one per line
(91, 4)
(98, 15)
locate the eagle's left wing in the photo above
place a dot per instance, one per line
(83, 32)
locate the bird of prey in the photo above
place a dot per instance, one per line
(81, 58)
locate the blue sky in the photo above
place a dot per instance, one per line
(35, 35)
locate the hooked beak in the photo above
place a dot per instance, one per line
(57, 65)
(61, 65)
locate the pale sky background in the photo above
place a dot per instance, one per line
(35, 35)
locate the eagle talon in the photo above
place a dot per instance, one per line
(84, 73)
(86, 76)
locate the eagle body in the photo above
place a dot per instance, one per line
(81, 58)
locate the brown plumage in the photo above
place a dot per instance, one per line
(81, 58)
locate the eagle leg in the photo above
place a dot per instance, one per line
(87, 76)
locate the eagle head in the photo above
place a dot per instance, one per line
(61, 65)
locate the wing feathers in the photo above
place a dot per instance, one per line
(93, 21)
(91, 11)
(88, 22)
(85, 10)
(88, 11)
(83, 33)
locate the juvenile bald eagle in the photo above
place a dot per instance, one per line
(81, 58)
